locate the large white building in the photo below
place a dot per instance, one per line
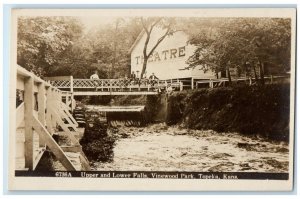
(169, 59)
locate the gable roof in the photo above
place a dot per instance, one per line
(139, 37)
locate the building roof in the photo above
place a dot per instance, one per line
(137, 40)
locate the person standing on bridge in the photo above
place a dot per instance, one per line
(153, 79)
(132, 77)
(95, 76)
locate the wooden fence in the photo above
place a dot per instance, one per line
(40, 113)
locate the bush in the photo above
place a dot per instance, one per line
(248, 110)
(96, 143)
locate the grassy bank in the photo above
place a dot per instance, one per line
(248, 110)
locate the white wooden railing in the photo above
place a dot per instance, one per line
(212, 83)
(115, 85)
(39, 112)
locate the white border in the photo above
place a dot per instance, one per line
(44, 183)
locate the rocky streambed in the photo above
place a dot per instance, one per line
(162, 148)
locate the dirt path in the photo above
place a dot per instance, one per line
(161, 148)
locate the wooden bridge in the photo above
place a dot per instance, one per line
(113, 86)
(42, 111)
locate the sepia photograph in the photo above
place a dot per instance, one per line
(152, 97)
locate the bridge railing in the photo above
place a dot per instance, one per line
(212, 83)
(39, 110)
(112, 84)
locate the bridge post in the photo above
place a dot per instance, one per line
(41, 108)
(53, 94)
(72, 92)
(48, 114)
(271, 79)
(181, 86)
(28, 118)
(192, 83)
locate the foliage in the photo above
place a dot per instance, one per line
(248, 110)
(59, 46)
(96, 143)
(109, 46)
(240, 43)
(166, 24)
(175, 110)
(41, 41)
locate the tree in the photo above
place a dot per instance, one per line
(214, 46)
(41, 40)
(239, 43)
(109, 46)
(149, 24)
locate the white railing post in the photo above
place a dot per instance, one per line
(49, 123)
(192, 83)
(71, 84)
(72, 92)
(28, 117)
(271, 79)
(53, 104)
(41, 108)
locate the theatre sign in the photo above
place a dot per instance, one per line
(164, 55)
(168, 61)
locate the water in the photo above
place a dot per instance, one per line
(161, 148)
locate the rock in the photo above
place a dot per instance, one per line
(244, 165)
(164, 128)
(183, 154)
(247, 146)
(221, 155)
(282, 150)
(204, 148)
(124, 135)
(182, 133)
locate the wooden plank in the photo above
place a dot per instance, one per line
(20, 114)
(41, 103)
(116, 108)
(71, 84)
(84, 93)
(20, 82)
(53, 146)
(25, 73)
(192, 83)
(63, 115)
(41, 108)
(74, 149)
(84, 162)
(38, 157)
(48, 113)
(65, 109)
(35, 88)
(57, 78)
(53, 105)
(28, 115)
(64, 127)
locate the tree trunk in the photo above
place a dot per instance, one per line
(261, 71)
(115, 51)
(144, 67)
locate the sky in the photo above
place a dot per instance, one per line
(91, 22)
